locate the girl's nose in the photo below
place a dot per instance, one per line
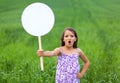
(69, 37)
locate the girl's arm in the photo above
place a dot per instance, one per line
(48, 53)
(86, 64)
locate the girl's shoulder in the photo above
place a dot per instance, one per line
(58, 50)
(79, 50)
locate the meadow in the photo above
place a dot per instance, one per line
(97, 23)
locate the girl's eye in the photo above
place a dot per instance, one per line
(69, 35)
(66, 35)
(72, 36)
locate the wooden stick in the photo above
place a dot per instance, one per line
(40, 48)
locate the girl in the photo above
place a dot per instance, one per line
(68, 67)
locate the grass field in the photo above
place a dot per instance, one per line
(97, 23)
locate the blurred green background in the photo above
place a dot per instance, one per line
(97, 23)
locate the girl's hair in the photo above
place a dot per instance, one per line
(74, 32)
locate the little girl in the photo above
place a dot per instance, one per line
(68, 67)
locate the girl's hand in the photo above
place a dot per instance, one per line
(40, 52)
(79, 75)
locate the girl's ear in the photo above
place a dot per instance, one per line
(63, 40)
(75, 40)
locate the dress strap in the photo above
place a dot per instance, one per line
(61, 50)
(77, 50)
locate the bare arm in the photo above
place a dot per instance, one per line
(48, 53)
(86, 64)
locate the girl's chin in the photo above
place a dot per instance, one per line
(69, 46)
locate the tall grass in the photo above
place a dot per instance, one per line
(96, 22)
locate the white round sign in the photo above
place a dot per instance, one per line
(37, 19)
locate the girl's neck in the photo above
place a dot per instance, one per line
(68, 48)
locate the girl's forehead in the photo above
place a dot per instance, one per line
(68, 32)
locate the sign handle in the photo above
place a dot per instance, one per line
(40, 48)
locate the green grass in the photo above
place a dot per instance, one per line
(97, 23)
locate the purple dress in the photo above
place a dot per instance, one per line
(67, 68)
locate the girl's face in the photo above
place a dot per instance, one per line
(69, 38)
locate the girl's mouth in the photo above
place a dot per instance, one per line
(69, 42)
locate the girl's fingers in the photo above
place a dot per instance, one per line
(39, 52)
(79, 75)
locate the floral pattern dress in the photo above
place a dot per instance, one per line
(67, 68)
